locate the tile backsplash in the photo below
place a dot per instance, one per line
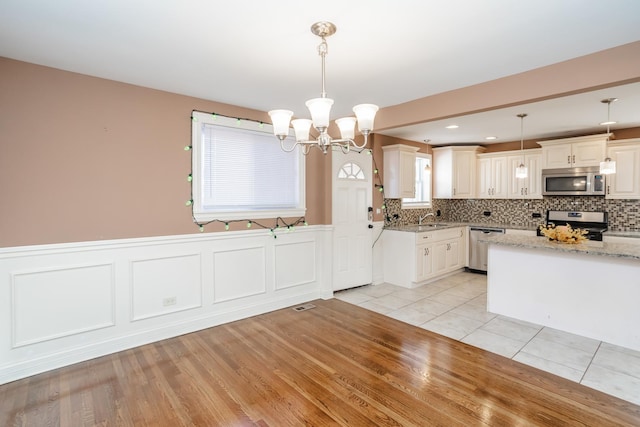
(624, 215)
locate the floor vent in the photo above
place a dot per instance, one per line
(304, 307)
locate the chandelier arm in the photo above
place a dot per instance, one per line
(293, 147)
(363, 144)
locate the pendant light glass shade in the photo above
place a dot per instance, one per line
(301, 128)
(280, 120)
(608, 166)
(521, 170)
(347, 126)
(365, 113)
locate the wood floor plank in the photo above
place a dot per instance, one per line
(336, 364)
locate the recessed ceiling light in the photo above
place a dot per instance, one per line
(452, 127)
(490, 138)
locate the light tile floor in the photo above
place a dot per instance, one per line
(456, 307)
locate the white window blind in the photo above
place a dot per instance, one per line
(422, 184)
(243, 173)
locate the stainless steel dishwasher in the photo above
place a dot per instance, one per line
(478, 250)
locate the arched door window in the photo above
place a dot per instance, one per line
(351, 170)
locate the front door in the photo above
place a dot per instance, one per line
(352, 218)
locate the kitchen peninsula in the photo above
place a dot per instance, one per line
(590, 289)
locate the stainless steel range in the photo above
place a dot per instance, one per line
(595, 223)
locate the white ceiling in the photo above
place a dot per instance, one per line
(260, 54)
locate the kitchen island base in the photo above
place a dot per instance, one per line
(589, 295)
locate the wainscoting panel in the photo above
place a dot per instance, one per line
(294, 264)
(238, 273)
(54, 303)
(165, 285)
(65, 303)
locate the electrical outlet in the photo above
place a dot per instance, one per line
(169, 301)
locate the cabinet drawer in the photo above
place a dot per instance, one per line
(422, 238)
(447, 234)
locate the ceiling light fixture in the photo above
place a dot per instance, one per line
(608, 166)
(490, 138)
(521, 170)
(452, 127)
(320, 109)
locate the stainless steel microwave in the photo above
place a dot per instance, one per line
(573, 182)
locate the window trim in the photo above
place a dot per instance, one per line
(421, 205)
(201, 215)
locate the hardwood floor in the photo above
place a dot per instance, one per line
(336, 364)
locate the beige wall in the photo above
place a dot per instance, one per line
(83, 158)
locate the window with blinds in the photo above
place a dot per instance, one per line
(240, 171)
(422, 185)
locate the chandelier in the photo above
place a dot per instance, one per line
(320, 109)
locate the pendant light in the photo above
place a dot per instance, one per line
(608, 166)
(521, 170)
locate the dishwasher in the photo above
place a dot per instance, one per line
(478, 250)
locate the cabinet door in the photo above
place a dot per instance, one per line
(533, 182)
(499, 177)
(625, 183)
(516, 185)
(407, 175)
(439, 258)
(464, 174)
(453, 254)
(424, 263)
(484, 178)
(587, 153)
(557, 156)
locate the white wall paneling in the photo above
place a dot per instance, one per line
(294, 264)
(238, 273)
(165, 285)
(65, 303)
(45, 302)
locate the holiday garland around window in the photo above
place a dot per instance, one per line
(279, 223)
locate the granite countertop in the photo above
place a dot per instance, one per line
(432, 226)
(632, 234)
(590, 247)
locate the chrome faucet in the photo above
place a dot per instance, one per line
(423, 217)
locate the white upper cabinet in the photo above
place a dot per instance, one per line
(399, 171)
(455, 172)
(574, 152)
(531, 186)
(492, 180)
(625, 183)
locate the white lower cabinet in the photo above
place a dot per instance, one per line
(411, 259)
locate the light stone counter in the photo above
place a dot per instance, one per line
(589, 247)
(432, 226)
(590, 289)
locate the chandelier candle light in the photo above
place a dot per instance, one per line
(320, 109)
